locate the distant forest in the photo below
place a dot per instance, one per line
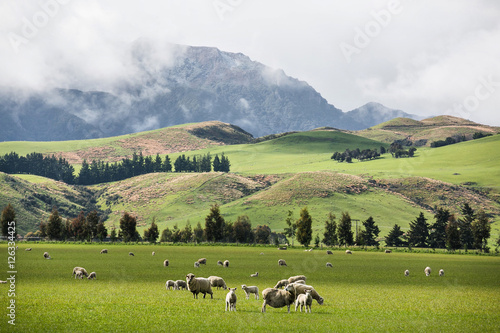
(100, 172)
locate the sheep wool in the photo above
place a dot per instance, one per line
(278, 298)
(250, 290)
(304, 301)
(231, 300)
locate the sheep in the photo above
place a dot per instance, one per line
(282, 262)
(180, 284)
(278, 298)
(250, 290)
(131, 254)
(219, 263)
(28, 249)
(46, 255)
(153, 253)
(1, 281)
(170, 283)
(92, 276)
(427, 271)
(166, 263)
(231, 299)
(282, 248)
(281, 283)
(329, 264)
(216, 281)
(388, 251)
(104, 251)
(254, 275)
(226, 263)
(196, 264)
(198, 285)
(76, 269)
(348, 252)
(305, 301)
(300, 282)
(202, 261)
(262, 253)
(441, 272)
(407, 273)
(79, 274)
(301, 289)
(295, 278)
(329, 252)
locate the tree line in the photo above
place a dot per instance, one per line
(98, 171)
(360, 155)
(457, 138)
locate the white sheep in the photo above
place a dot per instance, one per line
(153, 253)
(202, 261)
(329, 264)
(28, 249)
(250, 290)
(301, 289)
(278, 298)
(104, 251)
(1, 281)
(196, 264)
(198, 285)
(231, 299)
(427, 271)
(292, 279)
(281, 283)
(170, 283)
(76, 269)
(226, 263)
(180, 284)
(407, 273)
(92, 276)
(300, 282)
(348, 252)
(79, 275)
(282, 262)
(441, 272)
(254, 275)
(304, 300)
(217, 281)
(166, 263)
(46, 255)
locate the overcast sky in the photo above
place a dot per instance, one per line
(423, 57)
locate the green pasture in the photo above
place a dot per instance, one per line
(363, 292)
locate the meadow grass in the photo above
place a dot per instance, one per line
(365, 291)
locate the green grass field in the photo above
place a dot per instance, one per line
(365, 291)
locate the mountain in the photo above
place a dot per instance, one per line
(172, 84)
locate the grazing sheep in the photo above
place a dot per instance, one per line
(254, 275)
(388, 251)
(92, 276)
(226, 263)
(104, 251)
(202, 261)
(231, 299)
(278, 298)
(407, 273)
(180, 284)
(281, 283)
(301, 289)
(28, 249)
(348, 252)
(76, 269)
(166, 263)
(196, 264)
(153, 253)
(216, 281)
(329, 252)
(329, 264)
(79, 275)
(170, 283)
(305, 301)
(282, 262)
(198, 285)
(1, 281)
(46, 255)
(219, 263)
(295, 278)
(131, 254)
(250, 290)
(427, 271)
(282, 248)
(441, 272)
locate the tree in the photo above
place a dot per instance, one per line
(465, 226)
(54, 225)
(42, 228)
(394, 237)
(128, 229)
(112, 235)
(344, 230)
(437, 236)
(92, 222)
(369, 235)
(217, 163)
(481, 230)
(453, 234)
(78, 227)
(242, 229)
(330, 235)
(317, 240)
(304, 227)
(8, 215)
(419, 231)
(262, 233)
(151, 234)
(166, 235)
(292, 226)
(187, 233)
(198, 233)
(214, 224)
(102, 232)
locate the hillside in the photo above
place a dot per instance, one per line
(425, 131)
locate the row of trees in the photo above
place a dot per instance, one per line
(458, 138)
(360, 155)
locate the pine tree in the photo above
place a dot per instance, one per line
(317, 240)
(187, 233)
(465, 226)
(330, 235)
(151, 234)
(344, 230)
(167, 165)
(304, 227)
(453, 234)
(92, 222)
(54, 225)
(166, 235)
(217, 164)
(102, 232)
(370, 233)
(394, 237)
(214, 225)
(198, 233)
(437, 236)
(8, 216)
(243, 229)
(112, 235)
(419, 231)
(481, 230)
(128, 229)
(79, 227)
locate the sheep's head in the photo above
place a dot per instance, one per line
(189, 277)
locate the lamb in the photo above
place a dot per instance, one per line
(348, 252)
(388, 251)
(198, 285)
(131, 254)
(28, 249)
(441, 272)
(305, 301)
(281, 283)
(329, 252)
(407, 273)
(46, 255)
(226, 263)
(180, 284)
(282, 262)
(254, 275)
(153, 253)
(202, 261)
(76, 269)
(79, 274)
(92, 276)
(295, 278)
(231, 300)
(329, 264)
(216, 281)
(219, 263)
(170, 283)
(166, 263)
(196, 264)
(301, 289)
(278, 298)
(250, 290)
(427, 271)
(104, 251)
